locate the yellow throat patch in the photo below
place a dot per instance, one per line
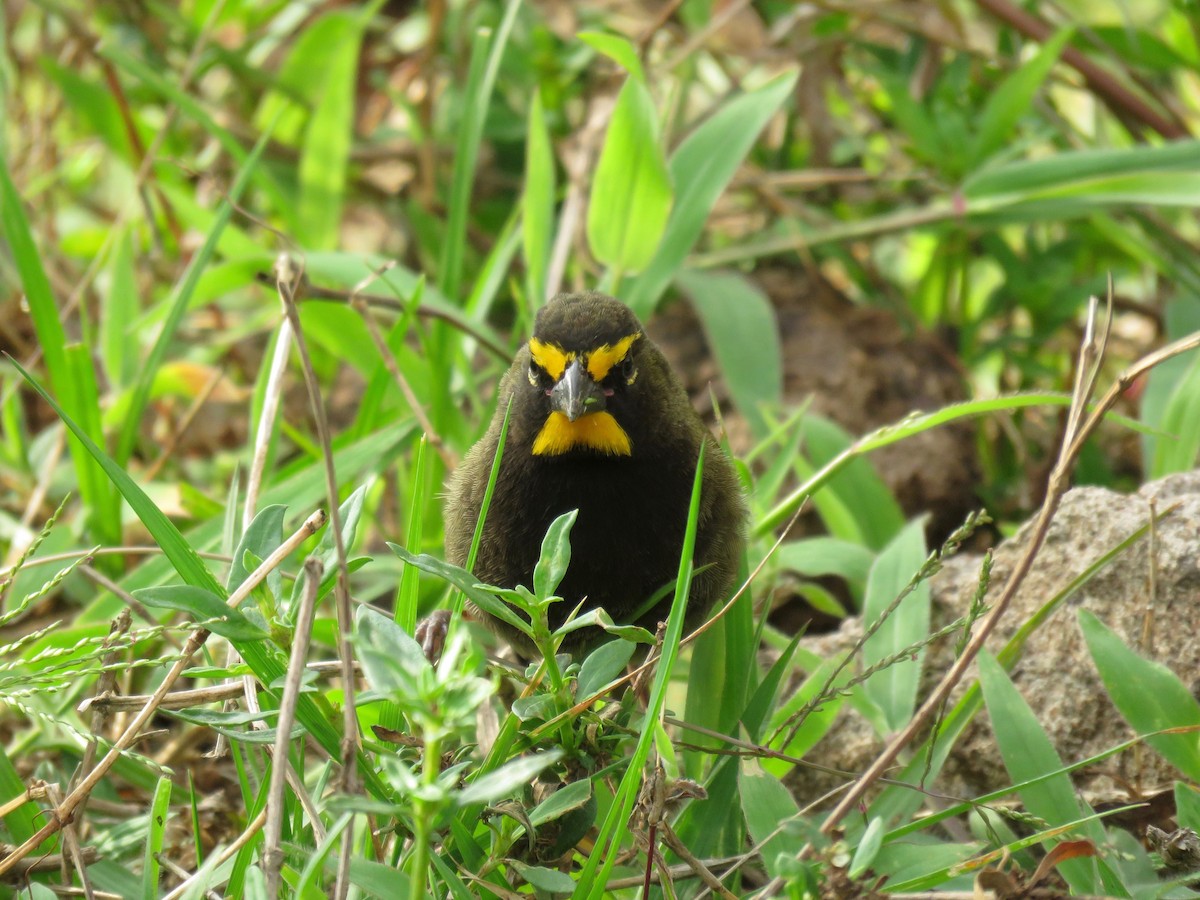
(597, 431)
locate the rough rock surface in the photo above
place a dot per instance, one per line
(1055, 673)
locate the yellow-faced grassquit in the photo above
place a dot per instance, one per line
(598, 423)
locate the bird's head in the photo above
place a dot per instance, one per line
(583, 363)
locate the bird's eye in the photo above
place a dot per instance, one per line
(627, 368)
(537, 375)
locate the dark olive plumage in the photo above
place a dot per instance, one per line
(627, 539)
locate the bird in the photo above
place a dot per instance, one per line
(599, 423)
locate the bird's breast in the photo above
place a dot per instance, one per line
(626, 540)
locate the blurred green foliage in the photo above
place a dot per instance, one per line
(973, 171)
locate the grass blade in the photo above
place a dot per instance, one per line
(486, 52)
(537, 204)
(616, 824)
(71, 376)
(157, 828)
(1148, 694)
(1028, 753)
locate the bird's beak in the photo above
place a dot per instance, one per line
(576, 394)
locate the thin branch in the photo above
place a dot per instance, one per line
(289, 279)
(187, 698)
(272, 853)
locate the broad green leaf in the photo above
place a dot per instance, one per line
(1028, 754)
(510, 777)
(1161, 389)
(551, 880)
(118, 346)
(22, 821)
(1180, 420)
(816, 723)
(601, 666)
(855, 505)
(1148, 694)
(262, 538)
(297, 92)
(631, 190)
(202, 605)
(822, 600)
(616, 48)
(465, 582)
(701, 168)
(766, 804)
(894, 689)
(740, 325)
(764, 698)
(566, 798)
(920, 855)
(100, 497)
(349, 513)
(408, 594)
(1142, 47)
(821, 556)
(556, 556)
(211, 717)
(1080, 169)
(256, 736)
(867, 849)
(326, 150)
(1187, 806)
(398, 660)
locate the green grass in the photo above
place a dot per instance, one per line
(436, 178)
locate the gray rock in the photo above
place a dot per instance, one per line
(1055, 673)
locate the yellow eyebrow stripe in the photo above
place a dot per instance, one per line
(550, 357)
(603, 358)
